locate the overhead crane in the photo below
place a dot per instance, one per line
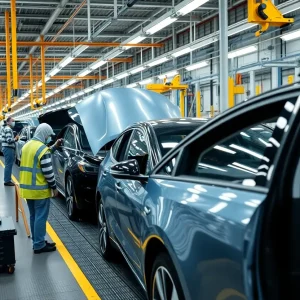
(168, 86)
(266, 14)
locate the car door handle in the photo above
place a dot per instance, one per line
(104, 173)
(147, 210)
(118, 186)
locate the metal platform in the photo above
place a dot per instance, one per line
(111, 280)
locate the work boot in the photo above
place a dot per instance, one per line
(45, 249)
(50, 244)
(9, 183)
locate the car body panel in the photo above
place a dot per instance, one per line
(107, 113)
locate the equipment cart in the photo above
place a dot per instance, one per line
(7, 245)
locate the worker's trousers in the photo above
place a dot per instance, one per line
(39, 211)
(9, 156)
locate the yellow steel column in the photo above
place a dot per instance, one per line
(14, 47)
(198, 104)
(290, 79)
(257, 90)
(43, 71)
(230, 92)
(8, 79)
(31, 81)
(181, 105)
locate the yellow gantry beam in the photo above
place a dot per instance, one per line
(8, 76)
(14, 47)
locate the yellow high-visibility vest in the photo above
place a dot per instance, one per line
(33, 184)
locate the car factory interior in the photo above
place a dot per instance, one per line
(149, 149)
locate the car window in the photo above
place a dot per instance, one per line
(235, 158)
(23, 133)
(168, 167)
(32, 131)
(116, 146)
(69, 139)
(138, 150)
(121, 151)
(85, 145)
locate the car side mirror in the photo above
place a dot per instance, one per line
(128, 169)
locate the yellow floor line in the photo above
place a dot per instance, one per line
(79, 276)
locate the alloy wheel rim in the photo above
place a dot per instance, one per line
(103, 229)
(70, 198)
(163, 286)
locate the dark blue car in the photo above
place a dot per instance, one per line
(217, 216)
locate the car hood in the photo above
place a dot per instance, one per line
(104, 115)
(60, 118)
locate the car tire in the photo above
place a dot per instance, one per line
(170, 286)
(72, 209)
(105, 246)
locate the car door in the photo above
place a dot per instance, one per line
(130, 196)
(106, 182)
(64, 155)
(209, 186)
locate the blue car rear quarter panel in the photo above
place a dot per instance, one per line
(203, 228)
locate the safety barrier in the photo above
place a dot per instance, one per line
(20, 208)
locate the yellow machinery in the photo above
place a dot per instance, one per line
(168, 86)
(234, 90)
(266, 14)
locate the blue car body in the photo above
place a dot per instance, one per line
(209, 224)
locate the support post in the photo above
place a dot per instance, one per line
(43, 72)
(31, 81)
(198, 100)
(8, 75)
(252, 83)
(223, 42)
(115, 9)
(14, 48)
(89, 19)
(297, 74)
(275, 77)
(182, 104)
(1, 99)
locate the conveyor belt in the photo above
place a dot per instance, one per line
(112, 280)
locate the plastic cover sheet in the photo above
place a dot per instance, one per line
(104, 115)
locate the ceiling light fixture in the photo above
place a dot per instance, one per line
(98, 64)
(243, 51)
(54, 71)
(191, 6)
(136, 70)
(198, 65)
(71, 81)
(108, 81)
(291, 35)
(123, 75)
(157, 62)
(145, 81)
(182, 52)
(66, 61)
(136, 40)
(84, 73)
(164, 23)
(132, 85)
(167, 75)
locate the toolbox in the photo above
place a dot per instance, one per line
(7, 245)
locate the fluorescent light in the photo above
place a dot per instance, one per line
(78, 50)
(182, 52)
(40, 83)
(132, 85)
(136, 70)
(198, 65)
(241, 52)
(89, 89)
(164, 23)
(110, 56)
(98, 85)
(80, 93)
(157, 62)
(84, 72)
(71, 81)
(98, 64)
(135, 41)
(64, 86)
(169, 74)
(54, 71)
(291, 35)
(146, 81)
(73, 96)
(108, 81)
(47, 78)
(123, 75)
(191, 6)
(66, 61)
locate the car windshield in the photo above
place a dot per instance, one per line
(168, 137)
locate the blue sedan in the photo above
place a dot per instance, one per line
(208, 221)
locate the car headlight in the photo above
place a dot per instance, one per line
(87, 168)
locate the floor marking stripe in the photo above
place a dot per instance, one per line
(79, 276)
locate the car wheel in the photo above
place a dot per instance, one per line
(164, 283)
(104, 242)
(70, 198)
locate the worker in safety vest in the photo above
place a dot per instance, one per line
(37, 184)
